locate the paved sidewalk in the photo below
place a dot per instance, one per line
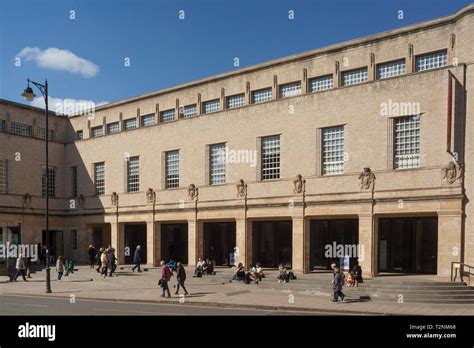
(215, 291)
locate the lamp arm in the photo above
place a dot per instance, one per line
(41, 87)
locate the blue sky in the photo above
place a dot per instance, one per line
(164, 50)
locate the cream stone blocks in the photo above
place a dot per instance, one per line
(368, 142)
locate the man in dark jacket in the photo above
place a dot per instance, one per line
(137, 258)
(97, 257)
(181, 277)
(337, 283)
(111, 258)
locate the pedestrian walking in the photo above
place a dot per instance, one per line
(337, 283)
(28, 267)
(104, 264)
(165, 278)
(98, 257)
(60, 267)
(111, 259)
(20, 268)
(92, 253)
(181, 277)
(137, 258)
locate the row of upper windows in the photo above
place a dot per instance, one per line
(406, 155)
(351, 77)
(26, 130)
(406, 145)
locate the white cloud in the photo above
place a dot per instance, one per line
(57, 59)
(67, 106)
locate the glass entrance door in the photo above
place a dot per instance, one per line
(271, 243)
(56, 245)
(174, 242)
(219, 242)
(135, 235)
(326, 236)
(408, 245)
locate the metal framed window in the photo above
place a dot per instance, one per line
(167, 115)
(217, 164)
(21, 129)
(235, 101)
(3, 176)
(133, 174)
(74, 239)
(113, 127)
(130, 123)
(2, 126)
(41, 134)
(97, 131)
(271, 157)
(431, 60)
(353, 77)
(51, 182)
(290, 89)
(261, 95)
(333, 150)
(188, 111)
(148, 120)
(390, 69)
(80, 135)
(211, 106)
(74, 181)
(321, 83)
(99, 178)
(172, 169)
(407, 142)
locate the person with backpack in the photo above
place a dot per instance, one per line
(337, 284)
(165, 278)
(181, 277)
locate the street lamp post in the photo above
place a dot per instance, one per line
(28, 94)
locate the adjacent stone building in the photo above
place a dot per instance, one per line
(362, 146)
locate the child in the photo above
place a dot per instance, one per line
(350, 279)
(69, 267)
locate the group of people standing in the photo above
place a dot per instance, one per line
(104, 259)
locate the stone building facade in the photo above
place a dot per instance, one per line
(363, 144)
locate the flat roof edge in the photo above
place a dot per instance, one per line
(446, 20)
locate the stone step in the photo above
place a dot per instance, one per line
(367, 288)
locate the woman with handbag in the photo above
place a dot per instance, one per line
(165, 278)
